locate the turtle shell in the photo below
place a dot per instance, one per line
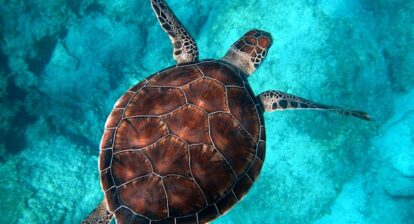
(182, 146)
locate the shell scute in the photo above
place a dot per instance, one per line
(139, 132)
(207, 214)
(207, 94)
(169, 220)
(187, 219)
(114, 118)
(232, 141)
(107, 139)
(169, 156)
(184, 197)
(211, 171)
(176, 77)
(128, 165)
(138, 86)
(106, 179)
(112, 197)
(244, 110)
(242, 186)
(143, 103)
(124, 100)
(189, 123)
(105, 158)
(216, 71)
(226, 202)
(145, 196)
(255, 169)
(261, 150)
(124, 215)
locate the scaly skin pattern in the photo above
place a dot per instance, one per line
(99, 215)
(276, 100)
(185, 48)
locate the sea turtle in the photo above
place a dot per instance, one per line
(187, 143)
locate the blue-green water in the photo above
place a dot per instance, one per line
(64, 63)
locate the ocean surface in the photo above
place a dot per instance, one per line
(64, 63)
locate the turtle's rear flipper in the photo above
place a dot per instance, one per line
(99, 215)
(276, 100)
(185, 48)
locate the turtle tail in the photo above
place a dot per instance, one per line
(99, 215)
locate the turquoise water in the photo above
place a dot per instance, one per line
(64, 63)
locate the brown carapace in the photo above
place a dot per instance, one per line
(182, 146)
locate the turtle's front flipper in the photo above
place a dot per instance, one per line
(99, 215)
(276, 100)
(185, 48)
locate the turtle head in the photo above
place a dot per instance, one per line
(249, 51)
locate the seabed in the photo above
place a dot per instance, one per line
(64, 63)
